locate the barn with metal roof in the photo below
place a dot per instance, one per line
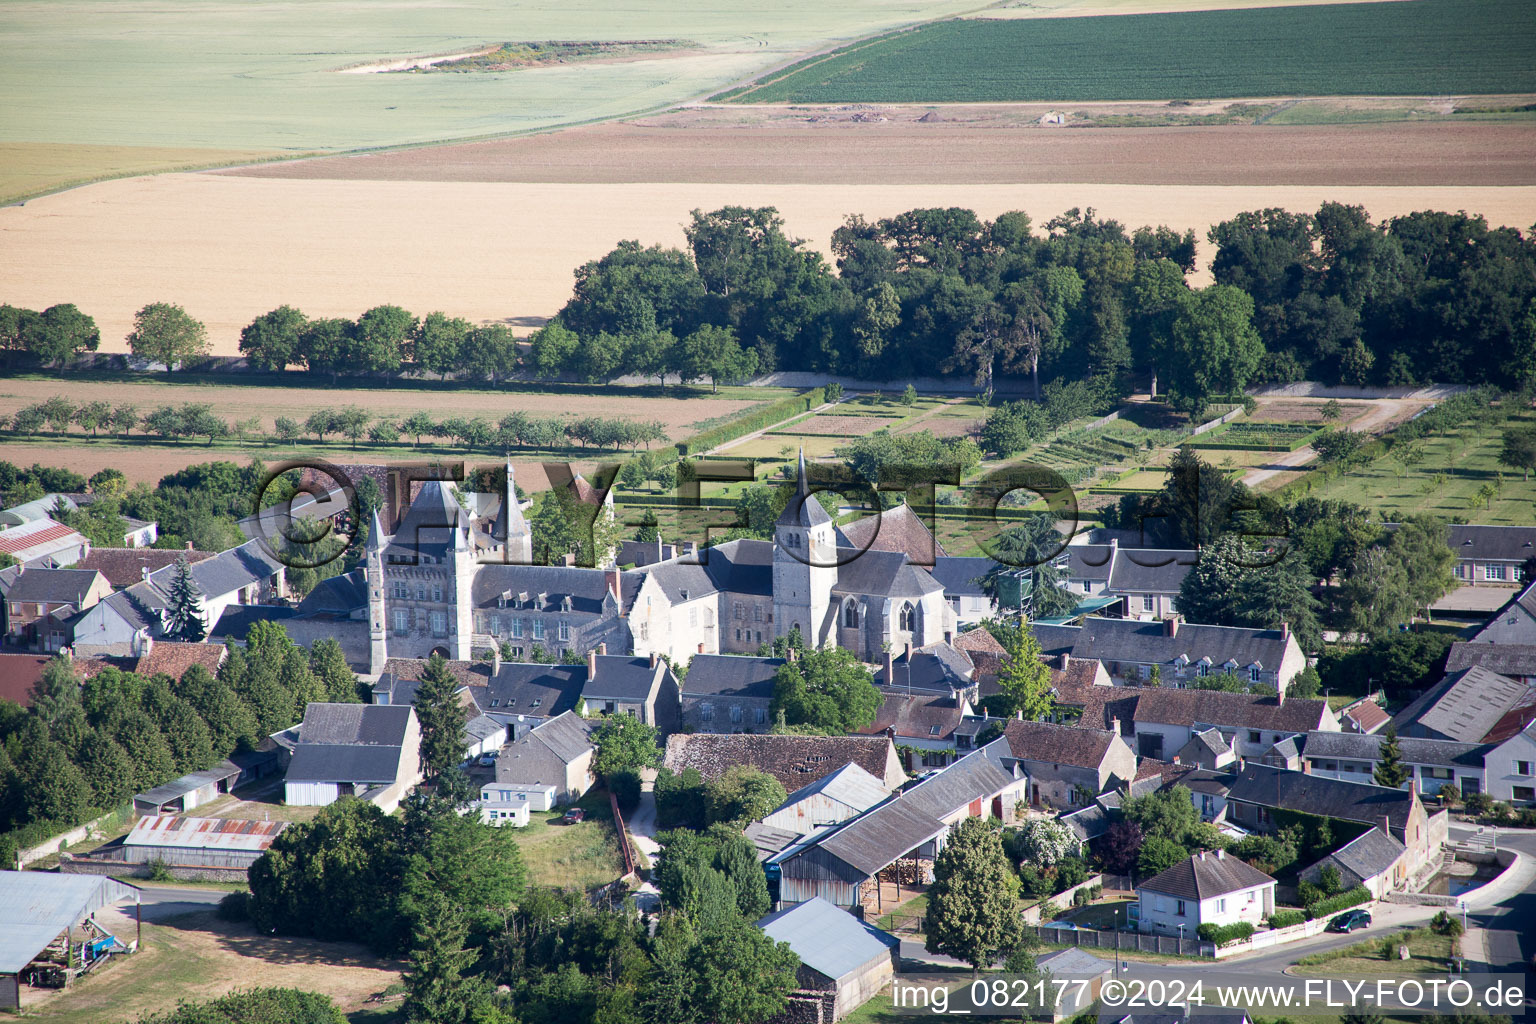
(37, 907)
(839, 954)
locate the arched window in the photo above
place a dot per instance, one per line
(851, 614)
(905, 618)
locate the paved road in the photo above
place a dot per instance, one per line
(160, 902)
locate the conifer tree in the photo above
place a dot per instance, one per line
(1390, 770)
(444, 742)
(184, 619)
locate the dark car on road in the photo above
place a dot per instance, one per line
(1349, 921)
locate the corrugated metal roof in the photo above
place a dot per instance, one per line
(37, 906)
(203, 833)
(189, 782)
(827, 938)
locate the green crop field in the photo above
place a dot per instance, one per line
(206, 75)
(1427, 47)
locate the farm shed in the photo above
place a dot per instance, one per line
(831, 799)
(370, 751)
(191, 790)
(36, 908)
(199, 842)
(840, 955)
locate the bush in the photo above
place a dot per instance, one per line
(1444, 924)
(1526, 817)
(1287, 918)
(235, 907)
(158, 872)
(1343, 901)
(1500, 812)
(625, 787)
(1080, 898)
(1309, 894)
(1478, 803)
(1221, 934)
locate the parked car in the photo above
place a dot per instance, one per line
(1349, 921)
(573, 815)
(487, 760)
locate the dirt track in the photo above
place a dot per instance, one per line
(966, 145)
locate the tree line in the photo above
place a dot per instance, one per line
(192, 420)
(85, 747)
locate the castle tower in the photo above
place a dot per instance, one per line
(373, 574)
(804, 566)
(511, 529)
(461, 588)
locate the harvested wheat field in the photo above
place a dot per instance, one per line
(237, 402)
(200, 957)
(230, 248)
(987, 144)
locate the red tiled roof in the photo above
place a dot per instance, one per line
(123, 567)
(983, 649)
(896, 529)
(173, 658)
(19, 674)
(1368, 716)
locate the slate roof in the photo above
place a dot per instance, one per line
(881, 574)
(828, 939)
(1150, 570)
(803, 508)
(742, 566)
(1089, 562)
(1363, 747)
(542, 755)
(877, 837)
(588, 589)
(337, 595)
(624, 678)
(896, 529)
(1265, 786)
(1168, 706)
(173, 658)
(959, 575)
(719, 675)
(1058, 744)
(123, 567)
(1206, 876)
(681, 581)
(1089, 823)
(929, 716)
(1369, 854)
(767, 840)
(364, 724)
(226, 571)
(52, 586)
(939, 668)
(20, 674)
(1465, 705)
(1506, 659)
(531, 689)
(1130, 640)
(794, 760)
(1491, 543)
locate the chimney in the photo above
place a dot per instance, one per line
(1285, 631)
(495, 658)
(592, 664)
(909, 652)
(1176, 759)
(1386, 823)
(602, 648)
(701, 647)
(1171, 626)
(654, 659)
(1221, 854)
(890, 668)
(189, 545)
(1114, 726)
(790, 655)
(613, 582)
(1202, 855)
(1066, 661)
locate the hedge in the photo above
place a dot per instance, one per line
(1343, 901)
(767, 416)
(1221, 934)
(1287, 918)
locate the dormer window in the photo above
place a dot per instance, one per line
(537, 702)
(542, 599)
(494, 702)
(565, 603)
(685, 595)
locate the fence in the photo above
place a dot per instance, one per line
(1138, 942)
(625, 850)
(1224, 418)
(81, 833)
